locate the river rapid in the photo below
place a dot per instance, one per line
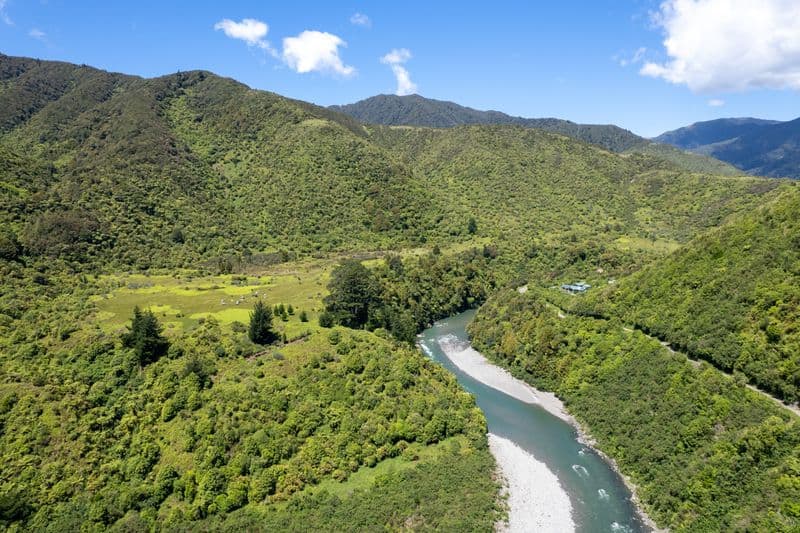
(555, 482)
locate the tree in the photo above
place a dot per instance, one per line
(177, 236)
(260, 331)
(354, 293)
(395, 264)
(10, 248)
(326, 320)
(472, 226)
(303, 316)
(144, 336)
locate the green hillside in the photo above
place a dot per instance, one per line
(560, 202)
(235, 171)
(193, 197)
(688, 160)
(202, 169)
(730, 297)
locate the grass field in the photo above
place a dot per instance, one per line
(638, 243)
(182, 300)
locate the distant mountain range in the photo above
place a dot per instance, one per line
(415, 110)
(762, 147)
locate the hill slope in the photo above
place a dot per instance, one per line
(534, 189)
(231, 169)
(761, 147)
(200, 168)
(415, 110)
(730, 297)
(684, 159)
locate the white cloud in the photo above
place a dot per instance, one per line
(395, 60)
(633, 59)
(360, 19)
(729, 45)
(716, 102)
(3, 15)
(37, 34)
(398, 55)
(315, 51)
(251, 31)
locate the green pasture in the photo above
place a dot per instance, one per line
(181, 300)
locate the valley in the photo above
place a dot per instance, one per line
(191, 199)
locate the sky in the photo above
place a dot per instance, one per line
(646, 65)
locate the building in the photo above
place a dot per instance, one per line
(575, 288)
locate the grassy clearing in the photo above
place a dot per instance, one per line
(638, 243)
(181, 301)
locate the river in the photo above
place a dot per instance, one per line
(599, 499)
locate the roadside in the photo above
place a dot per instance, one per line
(697, 363)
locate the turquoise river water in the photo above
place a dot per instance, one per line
(600, 500)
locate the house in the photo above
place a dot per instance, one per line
(575, 288)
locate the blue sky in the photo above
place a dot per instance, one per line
(593, 61)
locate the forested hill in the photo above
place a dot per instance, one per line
(730, 297)
(190, 164)
(415, 110)
(761, 147)
(192, 168)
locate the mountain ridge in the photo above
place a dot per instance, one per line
(756, 146)
(416, 110)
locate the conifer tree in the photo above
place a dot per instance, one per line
(472, 226)
(260, 331)
(144, 336)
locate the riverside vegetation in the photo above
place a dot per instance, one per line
(193, 197)
(705, 452)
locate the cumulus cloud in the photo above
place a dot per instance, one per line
(315, 51)
(716, 102)
(251, 31)
(729, 45)
(37, 34)
(3, 15)
(395, 60)
(360, 19)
